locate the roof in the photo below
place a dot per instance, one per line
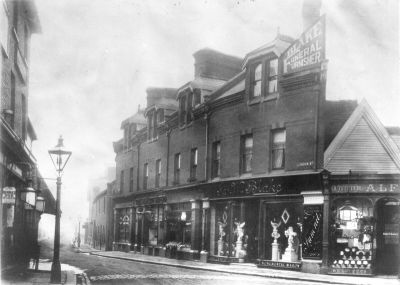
(363, 144)
(277, 46)
(137, 118)
(203, 83)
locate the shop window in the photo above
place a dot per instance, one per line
(121, 182)
(145, 175)
(177, 168)
(273, 76)
(123, 225)
(193, 163)
(216, 158)
(158, 172)
(246, 153)
(278, 149)
(131, 179)
(178, 232)
(353, 235)
(256, 80)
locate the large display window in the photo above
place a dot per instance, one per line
(179, 225)
(123, 223)
(352, 236)
(282, 231)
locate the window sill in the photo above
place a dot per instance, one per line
(153, 140)
(245, 175)
(215, 179)
(277, 171)
(255, 100)
(271, 96)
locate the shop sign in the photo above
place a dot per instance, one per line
(247, 187)
(280, 264)
(365, 188)
(350, 271)
(8, 195)
(308, 51)
(312, 232)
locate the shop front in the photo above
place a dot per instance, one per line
(365, 227)
(267, 221)
(123, 230)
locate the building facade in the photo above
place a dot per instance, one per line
(236, 166)
(21, 182)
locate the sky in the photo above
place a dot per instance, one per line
(93, 60)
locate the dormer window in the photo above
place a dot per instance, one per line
(182, 111)
(256, 82)
(150, 126)
(154, 118)
(273, 76)
(160, 116)
(263, 78)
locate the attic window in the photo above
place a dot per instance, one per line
(256, 82)
(273, 76)
(182, 111)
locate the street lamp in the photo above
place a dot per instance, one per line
(59, 156)
(40, 204)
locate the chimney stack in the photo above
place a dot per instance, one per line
(311, 12)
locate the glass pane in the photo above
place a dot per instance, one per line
(273, 67)
(257, 72)
(248, 143)
(273, 86)
(257, 89)
(247, 162)
(279, 137)
(277, 158)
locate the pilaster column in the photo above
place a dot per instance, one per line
(196, 225)
(325, 235)
(115, 227)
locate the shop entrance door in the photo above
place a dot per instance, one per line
(388, 231)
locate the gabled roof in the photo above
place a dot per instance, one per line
(137, 118)
(277, 46)
(362, 144)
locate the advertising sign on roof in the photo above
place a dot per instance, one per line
(308, 51)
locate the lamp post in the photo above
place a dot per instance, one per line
(59, 156)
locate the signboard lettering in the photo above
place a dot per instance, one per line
(365, 188)
(308, 51)
(312, 231)
(8, 195)
(280, 264)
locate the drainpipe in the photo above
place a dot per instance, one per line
(207, 118)
(138, 166)
(168, 142)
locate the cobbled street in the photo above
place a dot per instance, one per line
(102, 270)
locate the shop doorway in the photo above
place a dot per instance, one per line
(388, 233)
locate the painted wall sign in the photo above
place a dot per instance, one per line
(312, 232)
(365, 188)
(308, 51)
(8, 195)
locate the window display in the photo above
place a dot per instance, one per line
(353, 236)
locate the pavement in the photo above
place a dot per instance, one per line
(243, 269)
(40, 276)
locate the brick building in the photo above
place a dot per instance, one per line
(21, 182)
(232, 166)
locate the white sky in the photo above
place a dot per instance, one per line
(92, 62)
